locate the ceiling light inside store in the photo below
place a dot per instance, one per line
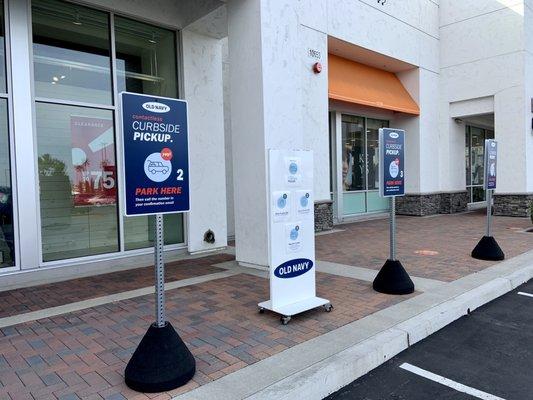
(152, 39)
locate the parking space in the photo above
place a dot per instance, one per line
(487, 354)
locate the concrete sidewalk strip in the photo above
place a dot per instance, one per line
(85, 304)
(319, 367)
(235, 267)
(367, 274)
(348, 271)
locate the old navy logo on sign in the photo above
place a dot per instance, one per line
(293, 268)
(394, 135)
(156, 107)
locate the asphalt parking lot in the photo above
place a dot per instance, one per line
(487, 355)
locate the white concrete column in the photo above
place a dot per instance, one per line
(266, 109)
(203, 90)
(423, 159)
(511, 127)
(25, 156)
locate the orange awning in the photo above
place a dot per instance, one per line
(357, 83)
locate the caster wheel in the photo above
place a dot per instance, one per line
(261, 310)
(328, 307)
(285, 320)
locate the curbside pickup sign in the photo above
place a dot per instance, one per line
(491, 163)
(155, 148)
(391, 162)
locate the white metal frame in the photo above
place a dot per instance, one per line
(21, 104)
(24, 158)
(11, 140)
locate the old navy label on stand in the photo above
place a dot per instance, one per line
(293, 268)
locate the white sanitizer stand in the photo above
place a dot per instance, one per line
(291, 235)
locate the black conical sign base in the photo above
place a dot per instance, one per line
(161, 362)
(393, 279)
(488, 249)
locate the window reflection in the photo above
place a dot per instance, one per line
(3, 87)
(360, 155)
(146, 63)
(71, 52)
(372, 151)
(146, 58)
(353, 153)
(77, 181)
(474, 158)
(76, 146)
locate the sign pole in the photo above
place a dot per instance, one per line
(392, 227)
(489, 212)
(488, 248)
(155, 174)
(392, 277)
(159, 272)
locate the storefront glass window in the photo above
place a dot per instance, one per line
(75, 117)
(360, 164)
(372, 151)
(3, 87)
(146, 63)
(7, 243)
(77, 176)
(146, 58)
(71, 52)
(474, 156)
(353, 153)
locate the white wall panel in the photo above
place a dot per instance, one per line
(370, 27)
(483, 78)
(510, 131)
(488, 35)
(202, 70)
(452, 11)
(314, 109)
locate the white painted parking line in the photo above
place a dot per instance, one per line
(526, 294)
(448, 382)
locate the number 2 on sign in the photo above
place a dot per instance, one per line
(180, 175)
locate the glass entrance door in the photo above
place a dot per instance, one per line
(360, 163)
(474, 154)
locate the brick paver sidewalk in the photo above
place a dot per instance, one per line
(13, 302)
(451, 237)
(82, 354)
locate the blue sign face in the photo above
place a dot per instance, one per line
(392, 162)
(491, 163)
(156, 154)
(293, 268)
